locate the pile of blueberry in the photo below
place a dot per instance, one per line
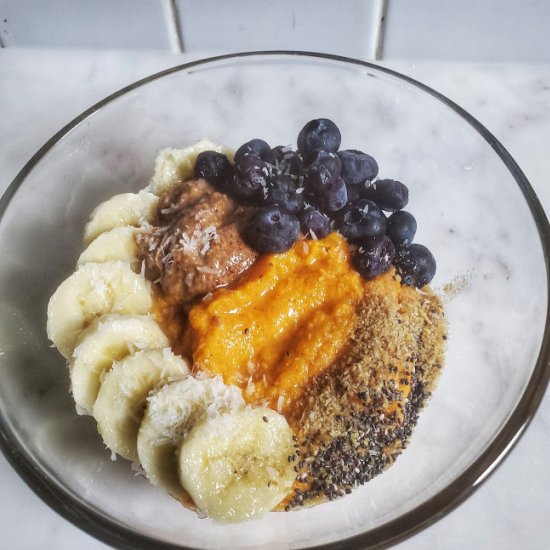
(318, 189)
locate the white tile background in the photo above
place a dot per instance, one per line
(468, 30)
(83, 24)
(345, 27)
(465, 30)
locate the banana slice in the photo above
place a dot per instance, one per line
(120, 403)
(93, 290)
(171, 413)
(236, 466)
(109, 338)
(125, 209)
(117, 244)
(175, 165)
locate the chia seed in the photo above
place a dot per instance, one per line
(355, 425)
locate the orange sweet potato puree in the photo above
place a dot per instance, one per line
(283, 323)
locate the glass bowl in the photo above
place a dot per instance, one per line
(476, 212)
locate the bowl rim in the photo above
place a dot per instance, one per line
(97, 524)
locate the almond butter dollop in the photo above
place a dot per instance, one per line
(194, 245)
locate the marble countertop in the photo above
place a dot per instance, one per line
(40, 91)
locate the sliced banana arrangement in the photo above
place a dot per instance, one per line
(108, 339)
(175, 165)
(194, 436)
(171, 413)
(118, 243)
(131, 209)
(236, 466)
(93, 290)
(118, 409)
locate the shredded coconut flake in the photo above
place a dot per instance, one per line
(167, 259)
(199, 241)
(169, 210)
(176, 408)
(189, 278)
(206, 269)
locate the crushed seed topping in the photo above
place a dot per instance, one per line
(357, 418)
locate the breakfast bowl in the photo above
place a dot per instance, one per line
(476, 212)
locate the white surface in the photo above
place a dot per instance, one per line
(42, 91)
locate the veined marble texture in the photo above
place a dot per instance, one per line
(512, 101)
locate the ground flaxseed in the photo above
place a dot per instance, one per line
(357, 417)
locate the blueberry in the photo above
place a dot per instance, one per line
(285, 160)
(246, 189)
(401, 228)
(354, 192)
(314, 222)
(390, 195)
(214, 167)
(252, 178)
(320, 133)
(415, 264)
(326, 156)
(334, 196)
(294, 164)
(283, 190)
(324, 169)
(257, 147)
(373, 256)
(272, 229)
(249, 162)
(357, 167)
(361, 218)
(275, 155)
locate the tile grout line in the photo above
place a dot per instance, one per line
(380, 29)
(170, 11)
